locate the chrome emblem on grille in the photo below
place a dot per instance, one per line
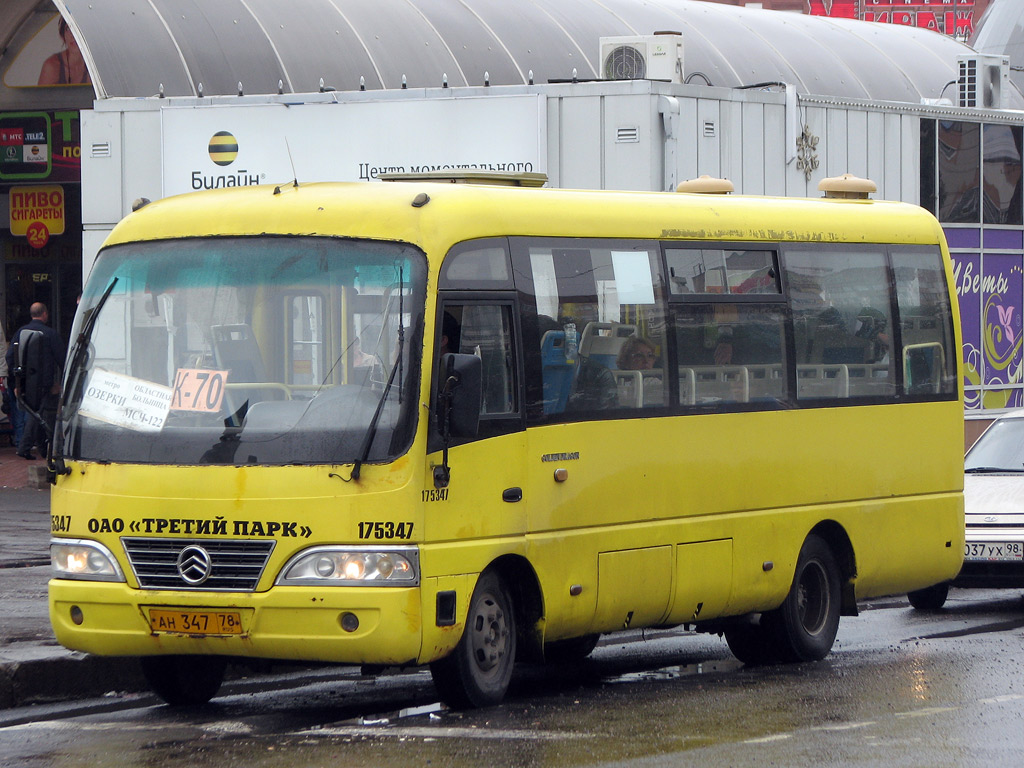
(194, 565)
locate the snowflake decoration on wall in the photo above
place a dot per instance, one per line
(807, 152)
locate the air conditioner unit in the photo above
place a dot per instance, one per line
(983, 80)
(645, 57)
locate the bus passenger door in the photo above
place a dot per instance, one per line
(484, 497)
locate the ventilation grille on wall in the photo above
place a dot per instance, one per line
(627, 134)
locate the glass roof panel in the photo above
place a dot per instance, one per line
(211, 36)
(130, 54)
(752, 58)
(261, 42)
(315, 41)
(534, 41)
(399, 40)
(1001, 31)
(474, 46)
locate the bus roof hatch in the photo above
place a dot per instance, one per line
(472, 176)
(847, 186)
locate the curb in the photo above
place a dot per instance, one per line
(67, 677)
(38, 477)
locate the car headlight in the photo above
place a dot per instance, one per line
(353, 566)
(80, 559)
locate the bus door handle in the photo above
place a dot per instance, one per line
(512, 495)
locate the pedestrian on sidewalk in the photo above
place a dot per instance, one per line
(9, 405)
(35, 358)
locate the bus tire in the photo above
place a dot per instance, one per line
(478, 671)
(804, 627)
(930, 598)
(752, 644)
(184, 681)
(568, 651)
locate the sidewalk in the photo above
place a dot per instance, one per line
(33, 667)
(16, 472)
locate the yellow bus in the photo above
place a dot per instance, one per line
(396, 424)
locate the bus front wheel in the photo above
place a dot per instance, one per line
(804, 627)
(478, 671)
(184, 681)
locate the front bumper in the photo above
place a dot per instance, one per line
(293, 623)
(992, 573)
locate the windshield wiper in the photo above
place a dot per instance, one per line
(371, 431)
(992, 470)
(76, 365)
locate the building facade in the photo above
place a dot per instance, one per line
(774, 102)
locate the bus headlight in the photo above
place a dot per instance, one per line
(80, 559)
(353, 566)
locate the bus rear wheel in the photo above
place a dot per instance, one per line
(752, 644)
(804, 627)
(929, 598)
(478, 671)
(184, 681)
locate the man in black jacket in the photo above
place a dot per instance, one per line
(35, 359)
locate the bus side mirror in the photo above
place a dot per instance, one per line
(460, 395)
(459, 398)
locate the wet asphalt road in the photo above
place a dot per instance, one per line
(902, 688)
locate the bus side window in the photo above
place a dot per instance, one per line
(730, 353)
(929, 355)
(842, 319)
(594, 300)
(729, 349)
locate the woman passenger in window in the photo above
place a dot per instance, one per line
(639, 354)
(636, 354)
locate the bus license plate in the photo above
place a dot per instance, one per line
(195, 622)
(1002, 550)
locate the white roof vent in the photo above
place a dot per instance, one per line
(644, 57)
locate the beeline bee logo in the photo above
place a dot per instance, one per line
(223, 148)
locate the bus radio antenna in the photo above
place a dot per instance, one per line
(295, 176)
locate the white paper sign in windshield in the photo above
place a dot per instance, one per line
(126, 401)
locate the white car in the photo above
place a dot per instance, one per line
(994, 510)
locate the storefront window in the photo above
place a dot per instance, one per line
(959, 155)
(1001, 191)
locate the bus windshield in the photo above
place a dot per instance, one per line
(247, 351)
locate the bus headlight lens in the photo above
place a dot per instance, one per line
(79, 559)
(352, 566)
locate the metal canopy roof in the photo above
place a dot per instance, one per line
(134, 47)
(1001, 31)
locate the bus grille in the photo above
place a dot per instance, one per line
(197, 564)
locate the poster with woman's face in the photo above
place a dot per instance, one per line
(50, 58)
